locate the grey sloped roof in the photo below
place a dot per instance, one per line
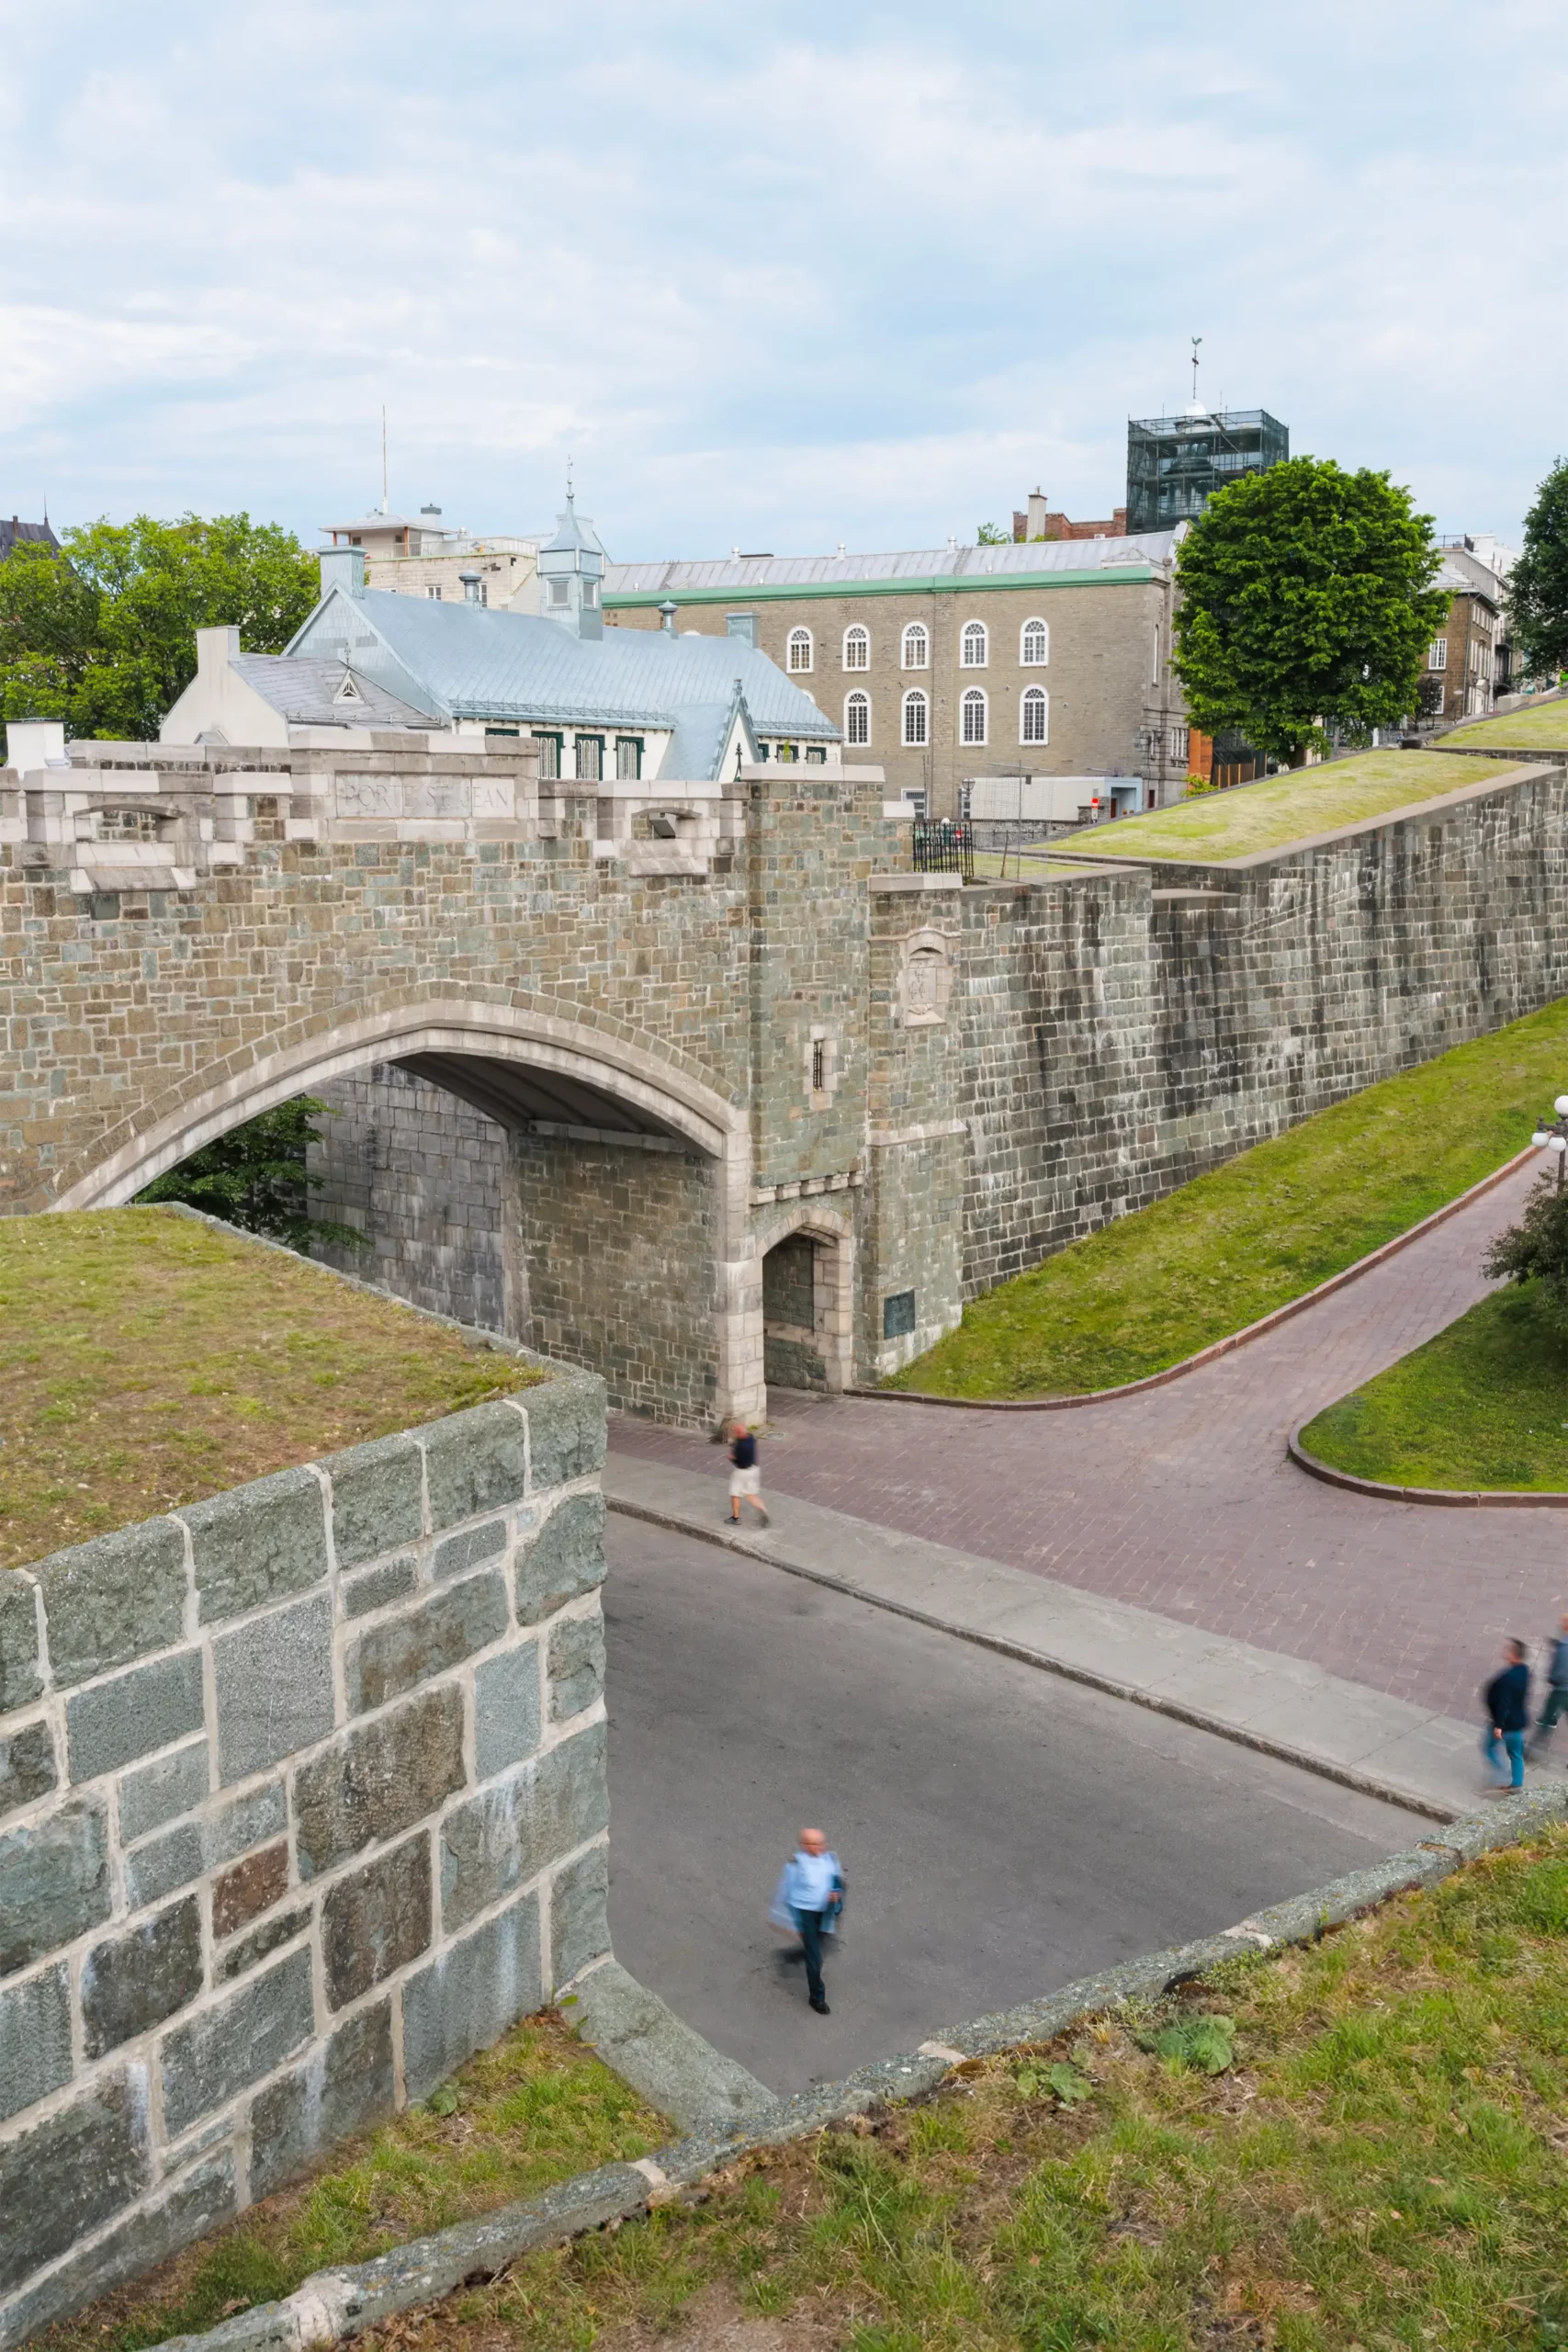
(466, 661)
(1472, 578)
(307, 694)
(739, 575)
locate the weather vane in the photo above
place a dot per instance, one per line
(1196, 341)
(569, 477)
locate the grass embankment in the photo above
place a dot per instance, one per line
(146, 1362)
(1383, 2162)
(1539, 726)
(1151, 1288)
(535, 2110)
(1218, 826)
(1484, 1404)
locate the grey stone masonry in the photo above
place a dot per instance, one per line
(302, 1801)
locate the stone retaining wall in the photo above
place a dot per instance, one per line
(302, 1801)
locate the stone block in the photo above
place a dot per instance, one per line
(196, 2203)
(151, 1706)
(54, 1884)
(252, 1886)
(378, 1497)
(579, 1919)
(119, 1597)
(274, 1686)
(506, 1710)
(475, 1462)
(456, 1552)
(258, 1542)
(132, 1982)
(270, 1937)
(237, 2041)
(467, 1999)
(565, 1559)
(565, 1429)
(378, 1779)
(26, 1765)
(512, 1830)
(20, 1680)
(162, 1792)
(393, 1581)
(577, 1665)
(164, 1863)
(375, 1920)
(72, 2172)
(344, 2084)
(35, 2039)
(402, 1652)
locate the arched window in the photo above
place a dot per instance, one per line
(1034, 645)
(857, 648)
(800, 648)
(915, 729)
(973, 716)
(973, 648)
(857, 718)
(1035, 716)
(917, 648)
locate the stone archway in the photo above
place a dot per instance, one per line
(807, 1286)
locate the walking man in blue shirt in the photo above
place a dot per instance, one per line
(1556, 1692)
(1508, 1698)
(809, 1898)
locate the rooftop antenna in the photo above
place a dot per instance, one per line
(569, 491)
(383, 456)
(1196, 341)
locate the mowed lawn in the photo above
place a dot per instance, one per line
(147, 1360)
(1219, 826)
(1151, 1288)
(1484, 1404)
(1379, 2158)
(1542, 726)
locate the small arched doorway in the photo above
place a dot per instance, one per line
(806, 1325)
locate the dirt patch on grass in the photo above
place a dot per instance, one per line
(147, 1360)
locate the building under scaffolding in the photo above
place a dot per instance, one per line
(1175, 463)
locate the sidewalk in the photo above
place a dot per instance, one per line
(1285, 1706)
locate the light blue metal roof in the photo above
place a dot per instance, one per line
(742, 575)
(465, 662)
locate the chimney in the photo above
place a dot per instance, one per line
(1037, 514)
(666, 612)
(470, 580)
(216, 648)
(343, 568)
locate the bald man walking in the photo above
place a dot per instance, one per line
(809, 1898)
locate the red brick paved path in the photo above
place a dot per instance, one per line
(1183, 1500)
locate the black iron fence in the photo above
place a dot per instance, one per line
(943, 847)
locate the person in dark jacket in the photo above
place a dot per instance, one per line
(1508, 1698)
(745, 1474)
(1556, 1692)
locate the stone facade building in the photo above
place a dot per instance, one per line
(953, 663)
(419, 555)
(1462, 662)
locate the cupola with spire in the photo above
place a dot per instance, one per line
(572, 571)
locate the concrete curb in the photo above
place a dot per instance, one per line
(1457, 1497)
(661, 2056)
(334, 2304)
(1305, 1759)
(1216, 1347)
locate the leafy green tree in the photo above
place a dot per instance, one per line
(1306, 605)
(257, 1177)
(1538, 586)
(1534, 1251)
(102, 635)
(988, 536)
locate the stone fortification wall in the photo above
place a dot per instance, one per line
(1121, 1032)
(302, 1801)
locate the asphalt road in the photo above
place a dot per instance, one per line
(1003, 1830)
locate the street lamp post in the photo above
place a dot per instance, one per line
(1554, 1138)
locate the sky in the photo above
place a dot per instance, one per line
(773, 276)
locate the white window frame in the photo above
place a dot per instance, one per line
(857, 646)
(1034, 698)
(914, 631)
(916, 699)
(1028, 660)
(973, 699)
(1438, 653)
(858, 700)
(972, 635)
(800, 643)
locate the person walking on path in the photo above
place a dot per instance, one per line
(1508, 1698)
(745, 1475)
(809, 1898)
(1556, 1691)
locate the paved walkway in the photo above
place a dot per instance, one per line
(1183, 1500)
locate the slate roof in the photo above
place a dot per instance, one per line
(743, 575)
(466, 661)
(13, 532)
(309, 693)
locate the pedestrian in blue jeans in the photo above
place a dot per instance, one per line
(1508, 1698)
(1556, 1692)
(809, 1898)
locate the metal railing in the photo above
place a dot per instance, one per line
(942, 847)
